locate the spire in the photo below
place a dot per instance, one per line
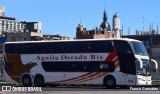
(143, 23)
(122, 30)
(137, 32)
(129, 30)
(80, 23)
(105, 16)
(150, 29)
(105, 25)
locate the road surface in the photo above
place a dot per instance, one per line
(83, 90)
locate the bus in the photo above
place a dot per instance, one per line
(107, 62)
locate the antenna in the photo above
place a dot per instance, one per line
(152, 26)
(157, 28)
(80, 20)
(122, 31)
(129, 30)
(136, 32)
(143, 23)
(80, 23)
(104, 6)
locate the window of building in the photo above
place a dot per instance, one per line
(2, 23)
(13, 39)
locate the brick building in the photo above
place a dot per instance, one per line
(103, 32)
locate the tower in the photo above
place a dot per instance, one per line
(79, 31)
(2, 9)
(80, 27)
(105, 25)
(116, 25)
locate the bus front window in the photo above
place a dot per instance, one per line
(139, 49)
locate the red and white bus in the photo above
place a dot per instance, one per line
(107, 62)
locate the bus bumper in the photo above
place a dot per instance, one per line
(143, 80)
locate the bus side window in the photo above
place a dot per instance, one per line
(103, 66)
(107, 67)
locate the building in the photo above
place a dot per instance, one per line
(104, 31)
(31, 31)
(32, 27)
(10, 24)
(14, 30)
(23, 36)
(55, 37)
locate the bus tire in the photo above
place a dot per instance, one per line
(39, 81)
(109, 81)
(26, 80)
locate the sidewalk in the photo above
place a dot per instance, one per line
(6, 83)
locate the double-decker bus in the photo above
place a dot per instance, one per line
(108, 62)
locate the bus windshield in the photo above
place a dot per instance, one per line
(138, 48)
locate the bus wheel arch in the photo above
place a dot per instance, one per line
(39, 80)
(109, 81)
(26, 80)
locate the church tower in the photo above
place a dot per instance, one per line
(105, 25)
(103, 32)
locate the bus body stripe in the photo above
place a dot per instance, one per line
(112, 57)
(95, 73)
(76, 77)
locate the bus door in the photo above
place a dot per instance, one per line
(127, 61)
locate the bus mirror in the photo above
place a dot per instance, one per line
(139, 61)
(155, 62)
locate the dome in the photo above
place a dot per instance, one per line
(105, 26)
(116, 15)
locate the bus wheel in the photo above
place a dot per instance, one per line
(109, 82)
(26, 81)
(39, 81)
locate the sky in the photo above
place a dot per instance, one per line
(63, 16)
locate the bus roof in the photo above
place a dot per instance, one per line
(123, 39)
